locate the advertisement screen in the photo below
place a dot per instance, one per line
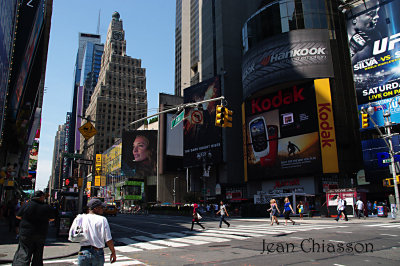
(202, 139)
(282, 133)
(374, 39)
(139, 153)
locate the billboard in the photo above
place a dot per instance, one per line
(7, 14)
(202, 139)
(139, 153)
(112, 158)
(374, 39)
(290, 56)
(281, 132)
(33, 156)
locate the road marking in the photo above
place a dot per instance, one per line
(388, 235)
(224, 235)
(121, 260)
(338, 241)
(128, 228)
(182, 240)
(295, 237)
(201, 238)
(126, 240)
(162, 242)
(343, 232)
(339, 264)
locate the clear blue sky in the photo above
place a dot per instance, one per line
(150, 36)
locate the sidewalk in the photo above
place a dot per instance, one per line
(54, 247)
(318, 219)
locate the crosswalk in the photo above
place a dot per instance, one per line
(138, 243)
(384, 225)
(121, 261)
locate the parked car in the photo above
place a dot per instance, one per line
(111, 210)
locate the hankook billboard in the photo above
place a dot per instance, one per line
(202, 139)
(290, 56)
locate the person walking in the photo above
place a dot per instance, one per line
(274, 211)
(360, 208)
(300, 207)
(369, 207)
(341, 209)
(375, 208)
(97, 232)
(287, 210)
(35, 217)
(223, 212)
(196, 217)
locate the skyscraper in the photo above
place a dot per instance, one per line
(120, 96)
(59, 140)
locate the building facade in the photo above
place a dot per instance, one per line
(300, 114)
(55, 182)
(120, 96)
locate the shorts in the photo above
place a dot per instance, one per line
(287, 213)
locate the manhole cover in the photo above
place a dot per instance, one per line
(219, 246)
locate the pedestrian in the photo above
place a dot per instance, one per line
(341, 209)
(287, 210)
(375, 208)
(369, 207)
(215, 209)
(196, 217)
(360, 208)
(35, 217)
(97, 232)
(300, 207)
(274, 211)
(223, 212)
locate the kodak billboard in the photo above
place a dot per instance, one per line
(326, 126)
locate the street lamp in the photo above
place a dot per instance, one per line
(176, 177)
(388, 135)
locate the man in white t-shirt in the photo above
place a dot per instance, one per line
(223, 212)
(97, 233)
(341, 209)
(360, 208)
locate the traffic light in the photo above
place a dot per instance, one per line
(228, 118)
(220, 116)
(364, 120)
(388, 182)
(68, 182)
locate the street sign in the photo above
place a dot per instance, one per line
(197, 117)
(178, 119)
(87, 130)
(84, 161)
(387, 160)
(72, 155)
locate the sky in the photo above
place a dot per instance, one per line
(150, 36)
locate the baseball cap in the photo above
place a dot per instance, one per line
(93, 203)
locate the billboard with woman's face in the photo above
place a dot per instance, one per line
(139, 153)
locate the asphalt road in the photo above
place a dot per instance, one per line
(166, 240)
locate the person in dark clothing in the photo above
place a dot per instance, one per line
(35, 216)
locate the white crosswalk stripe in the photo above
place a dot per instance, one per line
(121, 260)
(187, 238)
(384, 225)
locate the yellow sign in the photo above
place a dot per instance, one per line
(103, 181)
(89, 184)
(326, 124)
(98, 171)
(87, 130)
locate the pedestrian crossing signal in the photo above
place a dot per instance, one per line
(364, 120)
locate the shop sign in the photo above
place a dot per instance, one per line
(287, 183)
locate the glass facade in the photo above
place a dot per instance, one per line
(282, 16)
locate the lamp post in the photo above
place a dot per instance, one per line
(388, 135)
(176, 177)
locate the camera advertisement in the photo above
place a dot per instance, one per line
(282, 133)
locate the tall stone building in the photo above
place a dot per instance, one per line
(120, 96)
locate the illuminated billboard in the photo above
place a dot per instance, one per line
(282, 133)
(202, 139)
(374, 39)
(139, 153)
